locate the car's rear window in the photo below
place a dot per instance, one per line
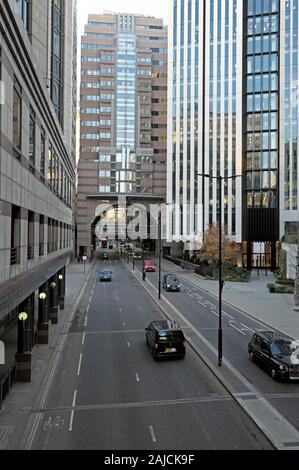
(171, 335)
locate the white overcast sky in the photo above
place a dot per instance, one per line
(157, 8)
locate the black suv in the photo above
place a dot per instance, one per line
(276, 353)
(170, 283)
(165, 338)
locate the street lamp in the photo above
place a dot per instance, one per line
(220, 180)
(160, 252)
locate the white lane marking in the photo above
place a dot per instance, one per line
(83, 340)
(137, 378)
(92, 294)
(124, 325)
(86, 320)
(90, 300)
(237, 329)
(153, 434)
(120, 310)
(72, 421)
(75, 399)
(228, 315)
(129, 344)
(215, 313)
(80, 363)
(88, 308)
(247, 328)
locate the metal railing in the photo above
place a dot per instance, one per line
(30, 252)
(14, 256)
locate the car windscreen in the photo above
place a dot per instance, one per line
(172, 279)
(286, 348)
(171, 336)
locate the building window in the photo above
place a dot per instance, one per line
(105, 173)
(32, 139)
(17, 116)
(104, 189)
(43, 153)
(105, 158)
(23, 7)
(57, 57)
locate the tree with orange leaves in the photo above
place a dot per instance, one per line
(210, 249)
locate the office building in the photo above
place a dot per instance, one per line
(233, 111)
(37, 161)
(123, 115)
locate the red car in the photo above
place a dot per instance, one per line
(149, 266)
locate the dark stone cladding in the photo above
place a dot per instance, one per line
(17, 290)
(5, 208)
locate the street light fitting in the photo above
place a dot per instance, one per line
(53, 285)
(42, 296)
(60, 277)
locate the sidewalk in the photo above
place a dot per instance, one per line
(254, 298)
(19, 403)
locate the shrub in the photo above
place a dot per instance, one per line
(280, 289)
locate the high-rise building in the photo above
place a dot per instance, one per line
(123, 114)
(233, 112)
(37, 159)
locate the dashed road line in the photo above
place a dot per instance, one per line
(153, 435)
(80, 363)
(137, 377)
(129, 344)
(72, 421)
(83, 339)
(74, 399)
(86, 321)
(235, 328)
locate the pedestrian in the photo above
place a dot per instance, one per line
(78, 259)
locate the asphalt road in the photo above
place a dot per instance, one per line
(201, 310)
(108, 393)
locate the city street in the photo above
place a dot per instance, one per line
(201, 310)
(107, 392)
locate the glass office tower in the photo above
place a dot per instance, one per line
(233, 111)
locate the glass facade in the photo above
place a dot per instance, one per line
(57, 57)
(23, 7)
(126, 111)
(262, 101)
(291, 94)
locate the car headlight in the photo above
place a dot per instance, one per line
(168, 287)
(285, 368)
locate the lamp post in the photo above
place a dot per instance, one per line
(220, 180)
(143, 259)
(160, 252)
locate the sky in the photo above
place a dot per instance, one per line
(157, 8)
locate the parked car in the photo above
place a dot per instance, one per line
(276, 353)
(171, 283)
(137, 255)
(105, 276)
(149, 266)
(165, 338)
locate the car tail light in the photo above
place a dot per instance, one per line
(156, 346)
